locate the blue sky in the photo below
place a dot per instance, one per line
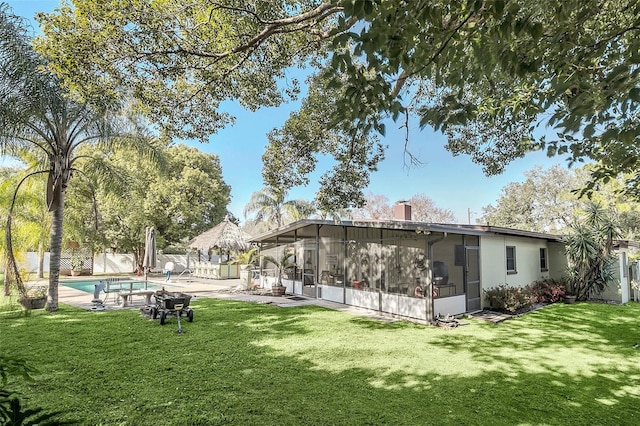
(454, 183)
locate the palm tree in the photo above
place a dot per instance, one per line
(31, 216)
(34, 215)
(281, 265)
(336, 214)
(36, 112)
(270, 206)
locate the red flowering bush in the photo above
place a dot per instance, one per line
(505, 298)
(547, 290)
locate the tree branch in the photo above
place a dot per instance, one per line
(280, 26)
(11, 260)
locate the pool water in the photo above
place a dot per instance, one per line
(88, 286)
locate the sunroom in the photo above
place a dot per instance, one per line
(405, 268)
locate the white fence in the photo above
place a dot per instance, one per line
(110, 263)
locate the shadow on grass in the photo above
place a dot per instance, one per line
(243, 363)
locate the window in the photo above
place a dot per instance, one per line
(459, 255)
(543, 260)
(511, 260)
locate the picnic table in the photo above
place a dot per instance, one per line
(124, 291)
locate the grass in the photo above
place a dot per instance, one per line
(250, 364)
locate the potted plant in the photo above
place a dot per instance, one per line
(281, 266)
(76, 265)
(569, 297)
(34, 298)
(247, 261)
(570, 290)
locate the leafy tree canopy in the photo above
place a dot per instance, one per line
(548, 201)
(181, 200)
(500, 78)
(179, 60)
(544, 202)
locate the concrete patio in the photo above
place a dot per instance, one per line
(201, 288)
(226, 289)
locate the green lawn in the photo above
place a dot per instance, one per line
(251, 364)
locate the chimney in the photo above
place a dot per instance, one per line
(402, 210)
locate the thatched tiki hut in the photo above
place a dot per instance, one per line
(225, 237)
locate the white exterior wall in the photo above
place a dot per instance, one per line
(454, 305)
(557, 260)
(493, 272)
(620, 290)
(493, 263)
(625, 279)
(332, 293)
(362, 298)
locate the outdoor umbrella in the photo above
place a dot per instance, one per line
(225, 236)
(149, 260)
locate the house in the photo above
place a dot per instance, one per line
(620, 291)
(410, 269)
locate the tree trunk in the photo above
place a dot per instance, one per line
(5, 279)
(41, 259)
(56, 249)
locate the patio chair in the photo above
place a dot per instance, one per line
(197, 269)
(207, 270)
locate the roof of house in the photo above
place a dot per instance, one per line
(419, 227)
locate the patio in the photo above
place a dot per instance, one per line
(210, 288)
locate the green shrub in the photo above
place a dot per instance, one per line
(505, 298)
(547, 290)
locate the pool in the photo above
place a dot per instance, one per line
(88, 286)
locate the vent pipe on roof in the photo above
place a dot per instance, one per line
(402, 210)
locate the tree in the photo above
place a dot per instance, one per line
(281, 265)
(549, 200)
(376, 207)
(180, 61)
(36, 112)
(336, 214)
(589, 248)
(489, 74)
(185, 197)
(192, 198)
(30, 222)
(614, 196)
(32, 217)
(423, 209)
(545, 202)
(271, 207)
